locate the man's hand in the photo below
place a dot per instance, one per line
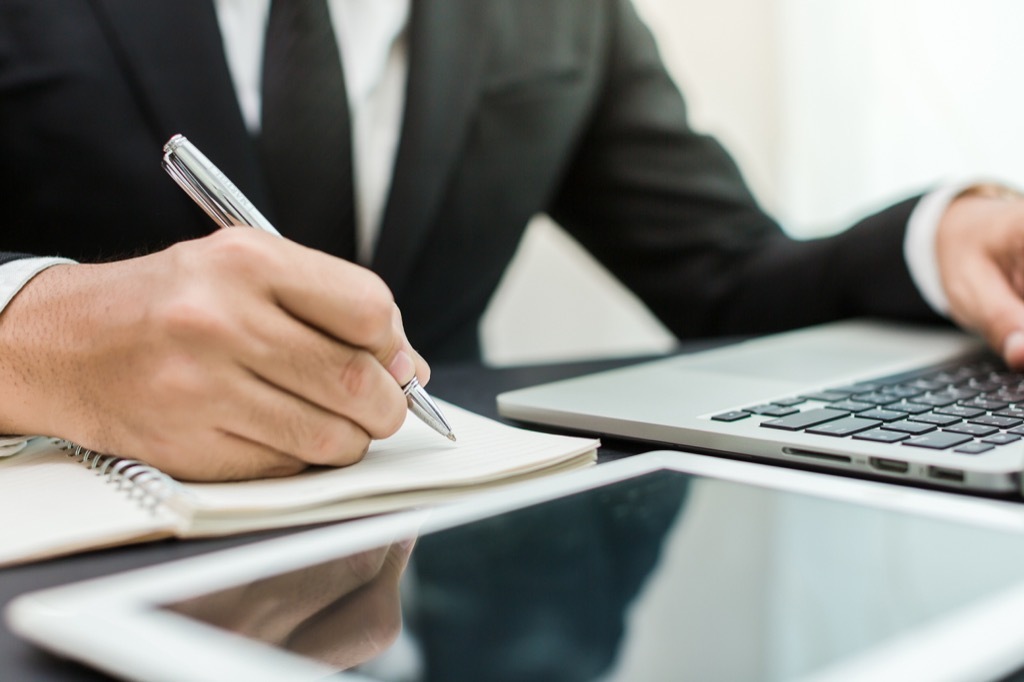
(238, 355)
(343, 612)
(980, 245)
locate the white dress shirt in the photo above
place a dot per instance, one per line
(372, 40)
(374, 55)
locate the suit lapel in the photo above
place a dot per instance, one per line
(446, 42)
(172, 53)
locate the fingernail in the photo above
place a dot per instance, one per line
(402, 368)
(1014, 345)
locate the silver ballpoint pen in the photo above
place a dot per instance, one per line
(228, 207)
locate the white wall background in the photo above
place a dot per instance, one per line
(831, 108)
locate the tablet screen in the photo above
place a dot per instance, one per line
(662, 576)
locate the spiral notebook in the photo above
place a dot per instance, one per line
(57, 498)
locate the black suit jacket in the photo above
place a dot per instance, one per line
(514, 107)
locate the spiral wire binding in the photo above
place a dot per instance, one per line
(141, 481)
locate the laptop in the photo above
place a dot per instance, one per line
(663, 566)
(894, 401)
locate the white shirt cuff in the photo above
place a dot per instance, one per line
(919, 244)
(16, 274)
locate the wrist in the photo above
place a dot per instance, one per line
(42, 340)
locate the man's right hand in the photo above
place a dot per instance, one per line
(235, 356)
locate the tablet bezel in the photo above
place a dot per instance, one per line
(115, 623)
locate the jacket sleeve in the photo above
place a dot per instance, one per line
(667, 211)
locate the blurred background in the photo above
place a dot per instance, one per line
(832, 109)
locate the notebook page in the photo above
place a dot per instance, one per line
(212, 524)
(52, 504)
(415, 458)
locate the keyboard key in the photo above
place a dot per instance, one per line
(1006, 378)
(803, 420)
(881, 436)
(789, 402)
(927, 385)
(875, 398)
(985, 403)
(902, 391)
(772, 410)
(825, 396)
(957, 375)
(731, 416)
(963, 393)
(1013, 411)
(937, 440)
(843, 427)
(936, 399)
(974, 448)
(884, 415)
(851, 405)
(1001, 439)
(932, 418)
(907, 426)
(960, 411)
(998, 422)
(860, 387)
(909, 408)
(977, 430)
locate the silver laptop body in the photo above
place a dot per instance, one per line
(676, 401)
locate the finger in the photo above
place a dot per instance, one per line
(283, 422)
(340, 379)
(397, 559)
(406, 363)
(991, 305)
(360, 624)
(422, 368)
(227, 457)
(346, 301)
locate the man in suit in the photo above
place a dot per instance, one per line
(166, 343)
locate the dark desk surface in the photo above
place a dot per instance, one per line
(470, 386)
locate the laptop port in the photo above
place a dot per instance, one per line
(946, 474)
(827, 456)
(894, 466)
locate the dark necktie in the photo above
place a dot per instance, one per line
(305, 143)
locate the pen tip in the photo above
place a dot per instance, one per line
(451, 437)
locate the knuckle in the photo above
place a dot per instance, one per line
(356, 375)
(240, 251)
(177, 380)
(190, 316)
(373, 310)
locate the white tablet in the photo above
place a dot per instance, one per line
(661, 566)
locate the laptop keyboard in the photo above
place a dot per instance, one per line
(968, 408)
